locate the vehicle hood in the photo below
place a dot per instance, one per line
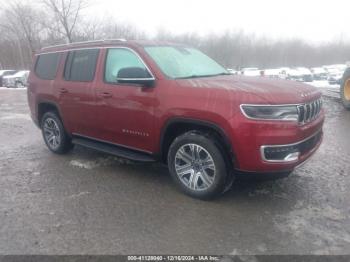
(257, 89)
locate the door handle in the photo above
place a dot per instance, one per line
(63, 90)
(106, 95)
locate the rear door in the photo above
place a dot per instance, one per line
(75, 91)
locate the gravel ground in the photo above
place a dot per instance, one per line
(91, 203)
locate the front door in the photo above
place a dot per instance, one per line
(125, 112)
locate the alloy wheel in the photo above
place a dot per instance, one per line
(52, 133)
(195, 167)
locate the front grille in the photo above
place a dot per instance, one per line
(310, 111)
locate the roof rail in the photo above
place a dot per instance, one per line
(86, 43)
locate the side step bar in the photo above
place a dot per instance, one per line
(113, 149)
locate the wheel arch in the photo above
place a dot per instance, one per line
(46, 106)
(177, 126)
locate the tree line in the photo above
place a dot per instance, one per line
(26, 27)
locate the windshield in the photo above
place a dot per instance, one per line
(183, 62)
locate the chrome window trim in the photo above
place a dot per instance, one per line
(262, 149)
(137, 55)
(107, 47)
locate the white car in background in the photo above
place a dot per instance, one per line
(273, 73)
(335, 73)
(4, 73)
(251, 71)
(17, 80)
(232, 71)
(319, 73)
(301, 74)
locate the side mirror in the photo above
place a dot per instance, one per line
(135, 75)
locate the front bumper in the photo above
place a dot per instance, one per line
(251, 138)
(290, 152)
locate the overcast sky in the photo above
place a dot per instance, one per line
(313, 20)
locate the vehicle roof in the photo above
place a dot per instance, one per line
(18, 74)
(3, 71)
(105, 43)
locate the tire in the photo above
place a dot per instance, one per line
(18, 85)
(54, 134)
(345, 90)
(194, 176)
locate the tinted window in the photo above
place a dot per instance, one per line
(46, 66)
(81, 65)
(118, 59)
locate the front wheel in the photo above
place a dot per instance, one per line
(54, 135)
(197, 165)
(345, 90)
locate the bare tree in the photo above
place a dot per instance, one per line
(66, 14)
(25, 27)
(21, 25)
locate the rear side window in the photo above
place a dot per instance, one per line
(81, 65)
(46, 66)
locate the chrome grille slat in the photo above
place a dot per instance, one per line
(309, 111)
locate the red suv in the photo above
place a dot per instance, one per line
(150, 101)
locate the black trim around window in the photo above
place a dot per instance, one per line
(70, 55)
(123, 84)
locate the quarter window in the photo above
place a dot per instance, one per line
(46, 66)
(81, 65)
(121, 58)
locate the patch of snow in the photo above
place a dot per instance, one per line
(83, 164)
(102, 161)
(79, 194)
(15, 116)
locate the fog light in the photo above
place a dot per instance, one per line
(292, 157)
(280, 153)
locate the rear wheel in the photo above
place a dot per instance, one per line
(54, 134)
(19, 85)
(345, 90)
(197, 165)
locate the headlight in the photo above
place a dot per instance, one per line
(286, 113)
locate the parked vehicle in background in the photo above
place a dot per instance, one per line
(232, 71)
(319, 73)
(335, 77)
(154, 101)
(284, 72)
(16, 80)
(301, 74)
(335, 73)
(251, 71)
(272, 73)
(5, 73)
(345, 89)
